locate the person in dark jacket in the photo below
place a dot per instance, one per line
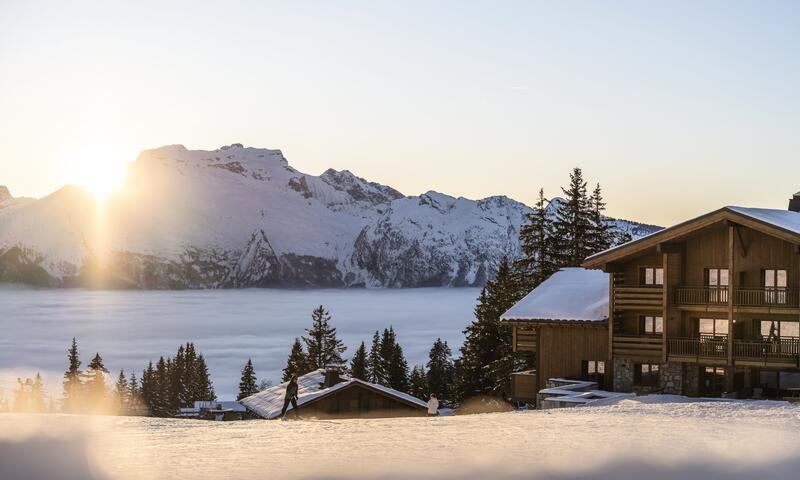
(291, 396)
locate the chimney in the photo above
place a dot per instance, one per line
(331, 376)
(794, 203)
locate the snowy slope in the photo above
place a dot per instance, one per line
(243, 217)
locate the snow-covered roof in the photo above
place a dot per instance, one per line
(311, 386)
(571, 294)
(785, 219)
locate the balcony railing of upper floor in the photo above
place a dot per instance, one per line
(778, 297)
(777, 350)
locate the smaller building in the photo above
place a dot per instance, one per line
(327, 394)
(213, 410)
(564, 323)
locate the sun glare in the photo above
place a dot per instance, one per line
(99, 168)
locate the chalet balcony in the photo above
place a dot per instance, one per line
(628, 297)
(766, 297)
(783, 352)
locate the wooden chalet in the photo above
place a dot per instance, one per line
(708, 307)
(564, 323)
(325, 394)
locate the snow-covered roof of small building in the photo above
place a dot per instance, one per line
(571, 294)
(268, 403)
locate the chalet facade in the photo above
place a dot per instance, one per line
(326, 394)
(708, 307)
(564, 323)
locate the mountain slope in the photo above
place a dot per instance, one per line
(243, 217)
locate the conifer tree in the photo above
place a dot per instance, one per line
(121, 393)
(38, 395)
(205, 388)
(572, 226)
(358, 365)
(96, 385)
(149, 389)
(601, 235)
(393, 361)
(538, 261)
(375, 366)
(322, 346)
(134, 395)
(418, 383)
(177, 377)
(72, 380)
(160, 407)
(247, 385)
(297, 363)
(487, 360)
(440, 370)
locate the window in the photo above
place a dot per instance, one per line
(650, 325)
(651, 276)
(646, 374)
(772, 330)
(713, 327)
(717, 281)
(594, 370)
(775, 283)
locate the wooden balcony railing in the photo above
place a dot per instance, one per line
(706, 347)
(779, 350)
(743, 297)
(627, 297)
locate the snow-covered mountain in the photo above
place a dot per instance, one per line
(243, 217)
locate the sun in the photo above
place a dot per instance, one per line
(99, 168)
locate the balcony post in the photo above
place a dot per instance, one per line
(729, 374)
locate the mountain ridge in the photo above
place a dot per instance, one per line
(239, 217)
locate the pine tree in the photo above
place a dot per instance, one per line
(572, 227)
(190, 388)
(247, 386)
(393, 361)
(601, 235)
(205, 387)
(38, 395)
(418, 383)
(297, 363)
(96, 385)
(134, 395)
(121, 393)
(322, 346)
(440, 370)
(538, 261)
(487, 360)
(375, 367)
(160, 407)
(149, 389)
(358, 365)
(72, 380)
(177, 377)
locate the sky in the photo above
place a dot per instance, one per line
(675, 108)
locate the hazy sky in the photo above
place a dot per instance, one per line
(676, 108)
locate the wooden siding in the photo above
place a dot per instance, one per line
(358, 401)
(563, 349)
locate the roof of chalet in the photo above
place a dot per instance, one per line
(569, 295)
(784, 224)
(269, 402)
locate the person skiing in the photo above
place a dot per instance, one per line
(433, 406)
(290, 396)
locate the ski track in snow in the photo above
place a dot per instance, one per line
(630, 440)
(129, 328)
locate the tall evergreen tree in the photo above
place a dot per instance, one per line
(601, 235)
(572, 226)
(247, 385)
(297, 363)
(205, 389)
(375, 366)
(440, 370)
(96, 385)
(121, 393)
(358, 365)
(72, 380)
(536, 241)
(418, 382)
(150, 389)
(161, 407)
(322, 346)
(38, 395)
(487, 360)
(393, 361)
(134, 395)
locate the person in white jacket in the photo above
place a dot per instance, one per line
(433, 406)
